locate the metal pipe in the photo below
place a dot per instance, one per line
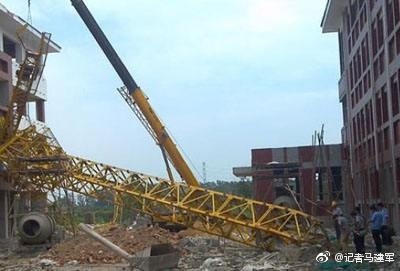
(97, 237)
(105, 45)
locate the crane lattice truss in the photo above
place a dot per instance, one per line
(30, 70)
(35, 161)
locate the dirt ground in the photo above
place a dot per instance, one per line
(86, 251)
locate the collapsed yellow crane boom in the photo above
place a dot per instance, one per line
(163, 138)
(35, 161)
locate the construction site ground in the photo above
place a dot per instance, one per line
(198, 252)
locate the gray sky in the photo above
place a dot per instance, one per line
(225, 77)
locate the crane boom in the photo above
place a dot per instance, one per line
(163, 138)
(35, 161)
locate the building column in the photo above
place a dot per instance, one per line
(40, 115)
(3, 214)
(389, 183)
(1, 41)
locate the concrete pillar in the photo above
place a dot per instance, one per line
(24, 203)
(4, 215)
(1, 41)
(40, 112)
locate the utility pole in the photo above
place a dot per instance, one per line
(204, 172)
(29, 17)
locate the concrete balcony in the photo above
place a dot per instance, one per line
(243, 171)
(342, 85)
(344, 135)
(39, 87)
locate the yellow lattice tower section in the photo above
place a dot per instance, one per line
(28, 75)
(118, 208)
(35, 161)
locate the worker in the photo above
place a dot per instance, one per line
(385, 232)
(336, 212)
(344, 232)
(359, 231)
(376, 224)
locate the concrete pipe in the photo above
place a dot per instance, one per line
(35, 228)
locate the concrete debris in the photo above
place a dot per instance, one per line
(47, 262)
(210, 253)
(73, 262)
(213, 264)
(271, 262)
(199, 244)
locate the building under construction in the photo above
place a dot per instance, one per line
(17, 38)
(369, 91)
(306, 177)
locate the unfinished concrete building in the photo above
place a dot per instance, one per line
(369, 91)
(311, 174)
(13, 47)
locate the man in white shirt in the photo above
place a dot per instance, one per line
(336, 212)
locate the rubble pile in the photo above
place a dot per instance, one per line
(208, 253)
(198, 252)
(84, 250)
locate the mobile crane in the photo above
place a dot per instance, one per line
(33, 160)
(163, 139)
(137, 100)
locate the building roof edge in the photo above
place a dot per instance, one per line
(54, 47)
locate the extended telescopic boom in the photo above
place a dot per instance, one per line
(137, 95)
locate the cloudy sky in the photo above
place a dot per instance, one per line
(225, 77)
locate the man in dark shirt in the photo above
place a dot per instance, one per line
(358, 230)
(386, 238)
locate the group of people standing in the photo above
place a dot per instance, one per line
(358, 227)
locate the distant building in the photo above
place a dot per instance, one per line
(310, 174)
(369, 91)
(12, 54)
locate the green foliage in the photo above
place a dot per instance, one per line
(80, 206)
(103, 209)
(239, 188)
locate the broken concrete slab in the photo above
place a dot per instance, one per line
(160, 257)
